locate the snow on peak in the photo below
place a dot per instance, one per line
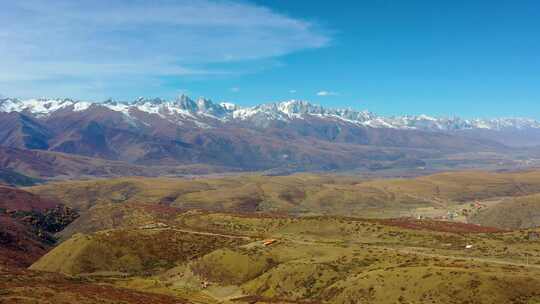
(229, 106)
(42, 106)
(299, 109)
(203, 111)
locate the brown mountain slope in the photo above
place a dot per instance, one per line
(13, 178)
(19, 130)
(45, 164)
(252, 150)
(50, 164)
(344, 132)
(19, 200)
(301, 144)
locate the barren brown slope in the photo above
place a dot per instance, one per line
(310, 143)
(20, 200)
(46, 164)
(13, 178)
(20, 130)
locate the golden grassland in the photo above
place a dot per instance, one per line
(123, 252)
(512, 213)
(334, 239)
(315, 259)
(301, 194)
(30, 287)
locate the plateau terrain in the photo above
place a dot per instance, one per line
(301, 238)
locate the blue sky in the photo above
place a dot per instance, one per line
(471, 58)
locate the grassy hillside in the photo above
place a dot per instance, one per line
(204, 240)
(136, 251)
(23, 286)
(302, 194)
(113, 216)
(516, 213)
(314, 259)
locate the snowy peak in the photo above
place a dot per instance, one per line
(182, 106)
(183, 102)
(41, 106)
(298, 109)
(229, 106)
(204, 111)
(506, 123)
(424, 122)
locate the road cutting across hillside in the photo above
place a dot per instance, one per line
(402, 250)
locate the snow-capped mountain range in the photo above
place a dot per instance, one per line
(290, 135)
(205, 113)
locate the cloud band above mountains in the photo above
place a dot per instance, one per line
(93, 45)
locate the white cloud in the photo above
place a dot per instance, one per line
(327, 93)
(292, 91)
(111, 41)
(235, 90)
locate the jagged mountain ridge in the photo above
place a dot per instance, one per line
(205, 113)
(292, 135)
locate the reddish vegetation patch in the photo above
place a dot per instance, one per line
(265, 215)
(19, 245)
(258, 215)
(16, 199)
(17, 282)
(26, 222)
(158, 209)
(441, 226)
(262, 300)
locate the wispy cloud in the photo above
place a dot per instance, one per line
(234, 90)
(327, 93)
(76, 42)
(292, 91)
